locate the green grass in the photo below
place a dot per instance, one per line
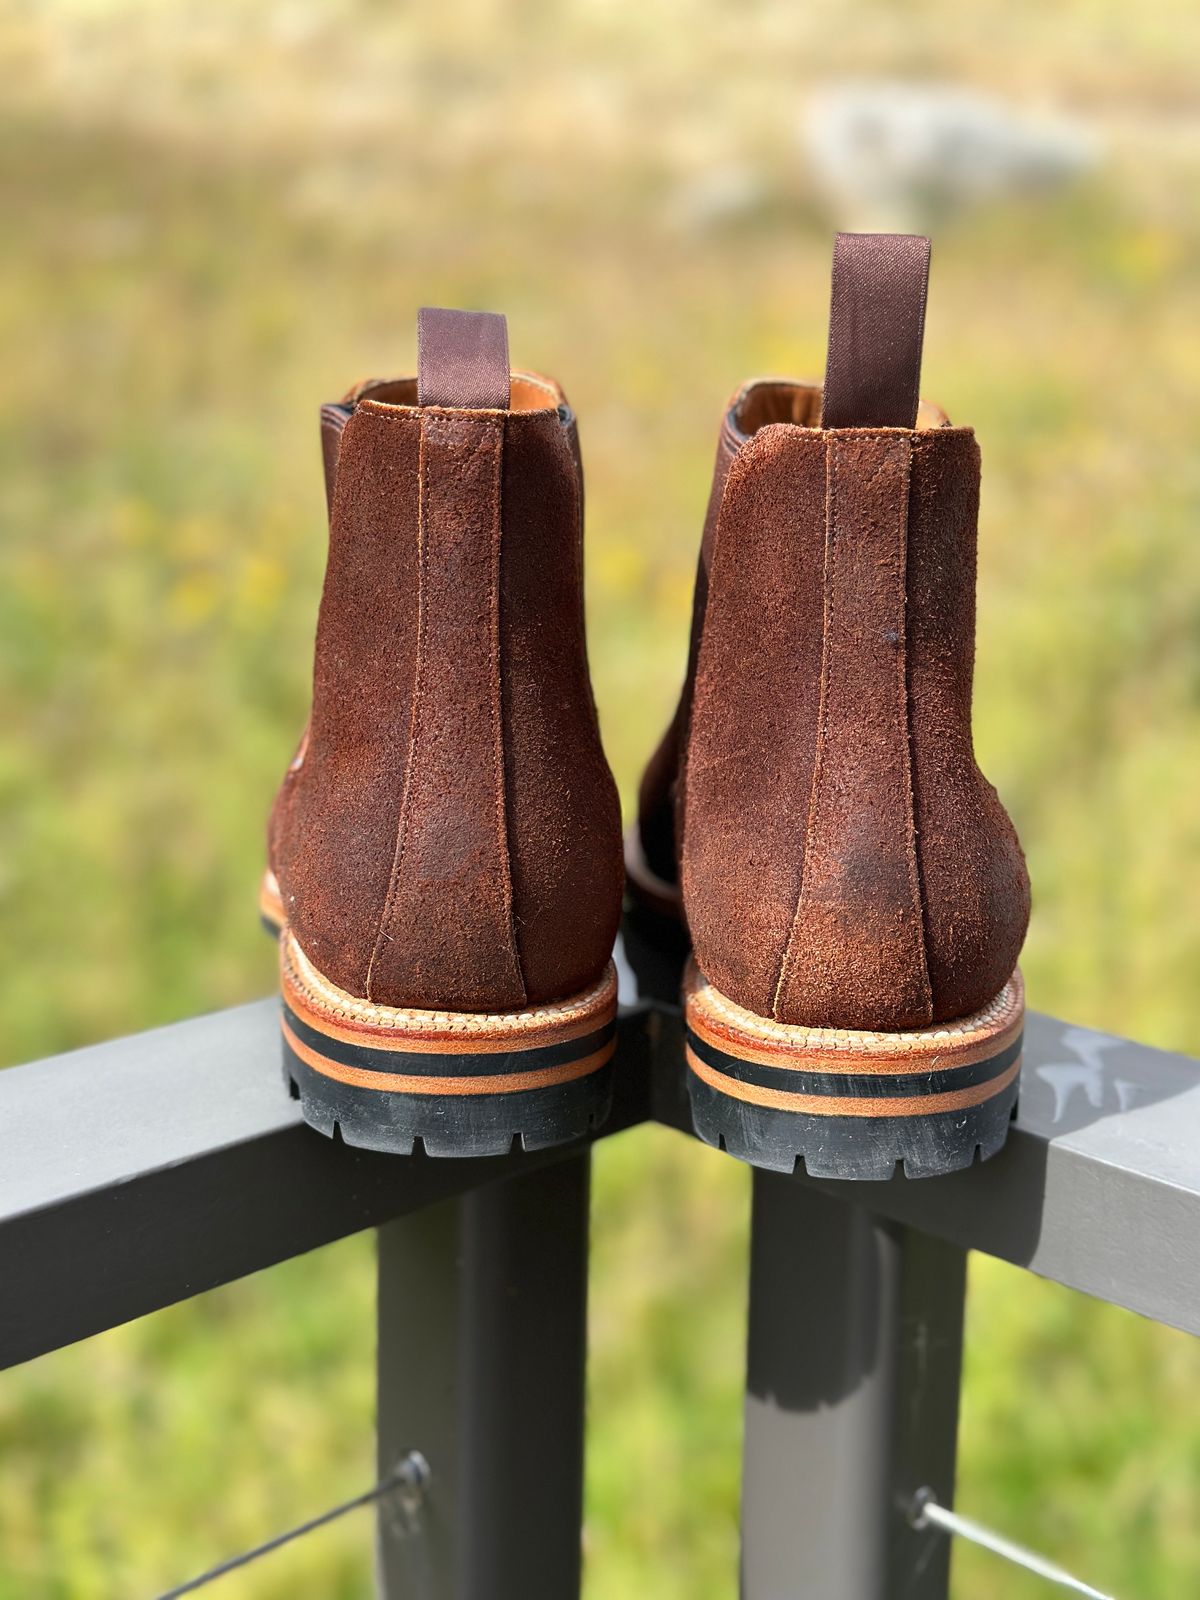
(227, 217)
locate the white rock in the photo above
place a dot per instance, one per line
(904, 156)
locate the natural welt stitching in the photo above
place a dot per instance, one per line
(325, 996)
(999, 1012)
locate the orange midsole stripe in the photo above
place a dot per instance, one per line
(942, 1057)
(401, 1083)
(458, 1044)
(830, 1105)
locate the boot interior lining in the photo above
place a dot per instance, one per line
(774, 400)
(528, 392)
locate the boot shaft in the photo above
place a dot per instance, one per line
(450, 838)
(843, 861)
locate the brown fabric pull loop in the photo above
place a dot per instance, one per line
(462, 359)
(876, 330)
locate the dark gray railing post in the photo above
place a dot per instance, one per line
(482, 1338)
(855, 1344)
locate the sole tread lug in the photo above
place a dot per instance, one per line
(447, 1127)
(858, 1149)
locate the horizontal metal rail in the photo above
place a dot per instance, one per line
(137, 1173)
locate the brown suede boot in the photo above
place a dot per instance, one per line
(444, 853)
(855, 893)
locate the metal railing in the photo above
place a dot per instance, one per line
(140, 1172)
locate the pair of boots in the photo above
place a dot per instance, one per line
(445, 858)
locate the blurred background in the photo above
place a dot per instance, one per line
(217, 217)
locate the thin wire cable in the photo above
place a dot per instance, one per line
(410, 1475)
(926, 1510)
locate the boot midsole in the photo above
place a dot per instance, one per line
(405, 1050)
(842, 1072)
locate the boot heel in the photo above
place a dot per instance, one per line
(451, 1083)
(851, 1104)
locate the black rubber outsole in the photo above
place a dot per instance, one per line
(857, 1148)
(448, 1125)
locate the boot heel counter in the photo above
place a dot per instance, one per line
(564, 822)
(856, 948)
(977, 895)
(453, 839)
(974, 880)
(842, 865)
(831, 795)
(914, 896)
(334, 834)
(393, 858)
(445, 934)
(745, 778)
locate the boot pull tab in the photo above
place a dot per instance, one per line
(462, 359)
(876, 330)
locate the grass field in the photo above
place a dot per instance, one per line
(218, 218)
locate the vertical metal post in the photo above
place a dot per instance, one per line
(855, 1346)
(482, 1338)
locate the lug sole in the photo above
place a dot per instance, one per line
(848, 1104)
(447, 1083)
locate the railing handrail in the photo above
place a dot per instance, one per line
(139, 1172)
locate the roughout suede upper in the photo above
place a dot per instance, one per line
(844, 863)
(451, 837)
